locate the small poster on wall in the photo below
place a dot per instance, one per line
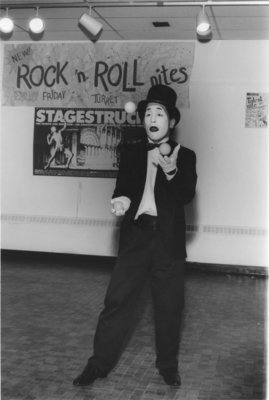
(257, 110)
(78, 141)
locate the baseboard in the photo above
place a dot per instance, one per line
(229, 269)
(109, 261)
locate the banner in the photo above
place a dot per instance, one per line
(88, 75)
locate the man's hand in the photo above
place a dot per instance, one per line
(118, 208)
(169, 164)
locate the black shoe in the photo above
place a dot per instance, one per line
(88, 376)
(170, 376)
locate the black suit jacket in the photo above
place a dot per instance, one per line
(170, 196)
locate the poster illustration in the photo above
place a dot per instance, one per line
(79, 142)
(257, 110)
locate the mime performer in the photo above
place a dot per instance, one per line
(151, 191)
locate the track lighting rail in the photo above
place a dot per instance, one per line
(133, 3)
(95, 28)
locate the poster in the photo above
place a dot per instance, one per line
(257, 110)
(79, 141)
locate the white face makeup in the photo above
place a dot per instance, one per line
(157, 122)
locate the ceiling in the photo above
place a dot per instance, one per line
(130, 21)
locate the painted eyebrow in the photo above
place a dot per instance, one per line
(158, 108)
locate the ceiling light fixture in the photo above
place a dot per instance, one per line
(36, 24)
(6, 24)
(203, 27)
(91, 25)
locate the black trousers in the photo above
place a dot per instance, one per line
(142, 256)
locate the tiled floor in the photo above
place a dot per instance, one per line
(50, 306)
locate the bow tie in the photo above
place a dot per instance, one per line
(151, 146)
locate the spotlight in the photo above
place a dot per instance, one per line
(203, 27)
(91, 25)
(36, 25)
(6, 24)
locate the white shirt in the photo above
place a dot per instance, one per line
(147, 204)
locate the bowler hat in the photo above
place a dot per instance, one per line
(163, 95)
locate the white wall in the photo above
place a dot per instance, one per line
(232, 193)
(229, 214)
